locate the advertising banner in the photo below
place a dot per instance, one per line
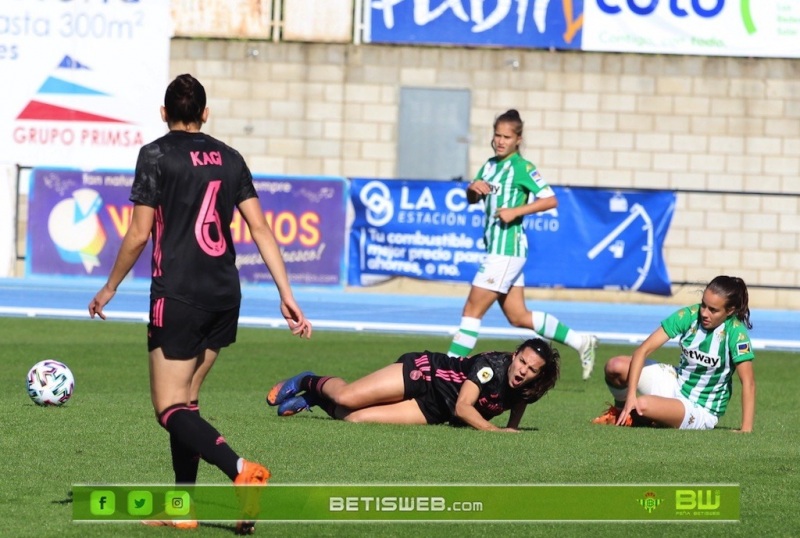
(751, 28)
(83, 80)
(307, 216)
(77, 221)
(595, 238)
(392, 503)
(523, 23)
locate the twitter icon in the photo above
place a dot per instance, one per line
(140, 503)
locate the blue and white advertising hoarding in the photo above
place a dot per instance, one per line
(751, 28)
(82, 80)
(595, 239)
(502, 23)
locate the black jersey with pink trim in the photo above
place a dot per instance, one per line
(489, 371)
(193, 181)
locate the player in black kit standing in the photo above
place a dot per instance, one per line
(185, 189)
(431, 388)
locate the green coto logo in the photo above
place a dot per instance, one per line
(747, 17)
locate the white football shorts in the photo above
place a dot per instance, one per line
(659, 379)
(500, 273)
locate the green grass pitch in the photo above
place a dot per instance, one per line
(107, 434)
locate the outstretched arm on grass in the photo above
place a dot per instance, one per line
(748, 378)
(657, 339)
(466, 412)
(516, 415)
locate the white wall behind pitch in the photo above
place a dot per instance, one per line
(324, 21)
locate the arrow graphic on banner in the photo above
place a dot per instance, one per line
(636, 211)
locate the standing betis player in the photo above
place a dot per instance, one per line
(695, 394)
(505, 183)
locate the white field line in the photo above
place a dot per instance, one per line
(360, 326)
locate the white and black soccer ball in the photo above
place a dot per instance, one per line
(50, 382)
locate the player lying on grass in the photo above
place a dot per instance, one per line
(694, 395)
(431, 388)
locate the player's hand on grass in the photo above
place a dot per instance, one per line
(630, 405)
(99, 301)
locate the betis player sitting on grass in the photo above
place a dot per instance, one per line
(694, 395)
(431, 388)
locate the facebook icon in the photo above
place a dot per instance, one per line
(102, 503)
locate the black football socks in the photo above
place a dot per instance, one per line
(188, 428)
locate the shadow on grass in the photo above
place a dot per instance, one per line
(222, 526)
(68, 500)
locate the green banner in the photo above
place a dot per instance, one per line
(409, 502)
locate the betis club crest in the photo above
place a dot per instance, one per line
(650, 502)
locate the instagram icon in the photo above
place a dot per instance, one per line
(178, 503)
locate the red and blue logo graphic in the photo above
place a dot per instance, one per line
(56, 88)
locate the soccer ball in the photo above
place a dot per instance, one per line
(50, 382)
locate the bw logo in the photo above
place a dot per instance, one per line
(688, 499)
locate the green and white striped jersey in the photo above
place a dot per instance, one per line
(512, 181)
(708, 359)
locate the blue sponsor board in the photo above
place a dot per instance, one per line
(77, 220)
(595, 239)
(500, 23)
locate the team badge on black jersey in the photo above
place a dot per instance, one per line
(485, 374)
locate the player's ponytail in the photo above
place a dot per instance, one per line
(735, 292)
(185, 100)
(510, 116)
